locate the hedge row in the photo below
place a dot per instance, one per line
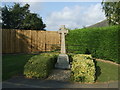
(100, 42)
(39, 66)
(83, 68)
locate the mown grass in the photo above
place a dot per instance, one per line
(13, 65)
(106, 72)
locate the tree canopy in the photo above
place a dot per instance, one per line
(20, 17)
(112, 12)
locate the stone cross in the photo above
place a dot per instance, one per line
(63, 31)
(63, 60)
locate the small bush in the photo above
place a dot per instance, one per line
(40, 66)
(83, 68)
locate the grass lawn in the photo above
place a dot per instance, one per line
(106, 72)
(13, 65)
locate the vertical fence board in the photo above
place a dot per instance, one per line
(17, 46)
(36, 41)
(8, 41)
(29, 40)
(44, 41)
(3, 41)
(22, 41)
(33, 40)
(25, 41)
(13, 41)
(41, 40)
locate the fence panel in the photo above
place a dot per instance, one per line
(27, 41)
(52, 40)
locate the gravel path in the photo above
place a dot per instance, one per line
(59, 75)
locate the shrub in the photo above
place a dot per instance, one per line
(83, 68)
(99, 42)
(39, 66)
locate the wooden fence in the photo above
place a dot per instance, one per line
(27, 41)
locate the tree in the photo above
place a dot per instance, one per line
(18, 17)
(5, 18)
(18, 14)
(32, 21)
(112, 12)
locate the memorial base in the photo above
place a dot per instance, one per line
(62, 62)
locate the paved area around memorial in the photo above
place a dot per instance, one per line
(57, 79)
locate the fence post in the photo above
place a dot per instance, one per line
(45, 46)
(45, 41)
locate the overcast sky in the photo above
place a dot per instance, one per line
(71, 14)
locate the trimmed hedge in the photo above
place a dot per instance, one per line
(99, 42)
(39, 66)
(83, 68)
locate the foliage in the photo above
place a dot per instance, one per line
(112, 11)
(83, 68)
(40, 66)
(100, 42)
(19, 17)
(53, 54)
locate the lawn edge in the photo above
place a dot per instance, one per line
(107, 61)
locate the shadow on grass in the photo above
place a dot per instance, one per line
(13, 65)
(98, 70)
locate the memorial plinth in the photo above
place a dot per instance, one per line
(63, 60)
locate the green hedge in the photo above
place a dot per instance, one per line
(100, 42)
(83, 68)
(39, 66)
